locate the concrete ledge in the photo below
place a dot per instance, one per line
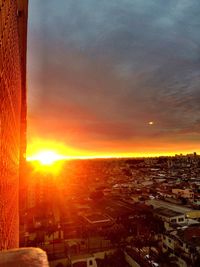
(23, 257)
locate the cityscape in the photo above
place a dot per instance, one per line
(99, 133)
(115, 212)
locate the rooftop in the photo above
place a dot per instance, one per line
(167, 212)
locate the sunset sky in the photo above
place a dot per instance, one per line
(100, 70)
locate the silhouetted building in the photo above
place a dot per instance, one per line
(13, 39)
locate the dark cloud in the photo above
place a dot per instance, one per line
(100, 70)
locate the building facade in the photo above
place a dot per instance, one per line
(13, 38)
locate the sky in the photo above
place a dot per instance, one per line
(100, 71)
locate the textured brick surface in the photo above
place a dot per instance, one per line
(11, 80)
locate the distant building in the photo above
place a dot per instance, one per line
(185, 193)
(41, 189)
(13, 35)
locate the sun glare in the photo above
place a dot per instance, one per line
(46, 157)
(46, 152)
(49, 155)
(47, 161)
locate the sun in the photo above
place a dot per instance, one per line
(47, 161)
(47, 157)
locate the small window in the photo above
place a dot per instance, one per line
(180, 219)
(90, 263)
(173, 220)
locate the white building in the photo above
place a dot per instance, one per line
(170, 216)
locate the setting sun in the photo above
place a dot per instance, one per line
(46, 152)
(46, 157)
(47, 161)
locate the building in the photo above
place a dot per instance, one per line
(41, 188)
(184, 193)
(170, 216)
(183, 245)
(13, 35)
(164, 204)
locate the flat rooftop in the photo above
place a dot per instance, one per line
(168, 205)
(167, 212)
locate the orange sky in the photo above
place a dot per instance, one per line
(98, 76)
(138, 148)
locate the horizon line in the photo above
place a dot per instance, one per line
(67, 158)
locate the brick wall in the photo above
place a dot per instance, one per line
(11, 90)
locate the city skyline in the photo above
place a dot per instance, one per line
(114, 78)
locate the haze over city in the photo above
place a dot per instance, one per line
(114, 78)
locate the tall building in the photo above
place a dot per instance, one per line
(13, 35)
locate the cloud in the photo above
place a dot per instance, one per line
(100, 70)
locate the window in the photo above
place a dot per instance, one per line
(173, 220)
(90, 263)
(180, 219)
